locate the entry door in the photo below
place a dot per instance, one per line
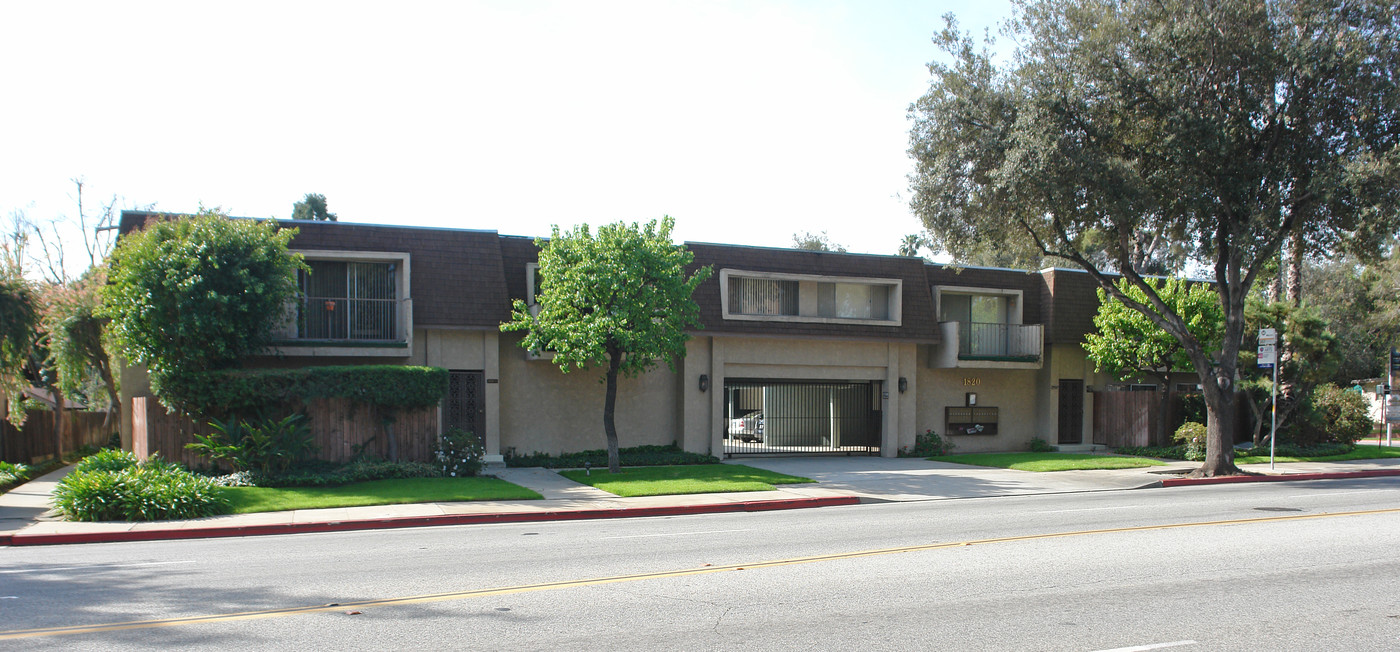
(1071, 411)
(466, 402)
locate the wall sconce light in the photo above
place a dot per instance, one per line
(903, 384)
(971, 398)
(704, 382)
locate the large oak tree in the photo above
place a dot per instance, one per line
(1224, 126)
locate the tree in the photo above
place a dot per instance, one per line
(1220, 126)
(815, 242)
(312, 207)
(911, 244)
(19, 324)
(77, 340)
(620, 300)
(1316, 358)
(1129, 344)
(198, 293)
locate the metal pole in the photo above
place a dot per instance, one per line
(1273, 428)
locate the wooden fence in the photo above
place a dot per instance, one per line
(34, 442)
(340, 429)
(1124, 418)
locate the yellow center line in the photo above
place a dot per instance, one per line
(548, 586)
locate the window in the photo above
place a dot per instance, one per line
(762, 296)
(853, 301)
(807, 298)
(348, 301)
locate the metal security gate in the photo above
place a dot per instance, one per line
(466, 402)
(777, 417)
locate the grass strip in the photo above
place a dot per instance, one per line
(1362, 452)
(247, 500)
(1045, 462)
(677, 480)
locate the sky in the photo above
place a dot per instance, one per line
(747, 122)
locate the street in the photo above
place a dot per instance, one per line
(1290, 565)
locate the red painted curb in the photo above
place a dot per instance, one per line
(1232, 479)
(20, 539)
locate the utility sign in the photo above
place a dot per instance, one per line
(1267, 355)
(1392, 409)
(1268, 336)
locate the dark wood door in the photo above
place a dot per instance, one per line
(466, 402)
(1071, 411)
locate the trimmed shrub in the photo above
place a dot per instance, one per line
(636, 456)
(252, 391)
(1039, 445)
(1163, 452)
(928, 444)
(1332, 415)
(1294, 450)
(325, 474)
(147, 491)
(1192, 437)
(459, 453)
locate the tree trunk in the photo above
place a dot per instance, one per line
(610, 410)
(1220, 431)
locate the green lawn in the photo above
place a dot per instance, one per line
(377, 492)
(1362, 452)
(1049, 461)
(690, 479)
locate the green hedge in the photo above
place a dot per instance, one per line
(251, 391)
(636, 456)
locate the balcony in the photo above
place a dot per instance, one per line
(976, 344)
(346, 326)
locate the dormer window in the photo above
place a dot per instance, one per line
(769, 296)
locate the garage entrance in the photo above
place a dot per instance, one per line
(786, 417)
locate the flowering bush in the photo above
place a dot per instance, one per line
(459, 453)
(1192, 436)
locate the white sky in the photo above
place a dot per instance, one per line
(745, 121)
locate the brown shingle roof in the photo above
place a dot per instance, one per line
(457, 275)
(917, 320)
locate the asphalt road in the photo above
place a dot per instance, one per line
(1278, 566)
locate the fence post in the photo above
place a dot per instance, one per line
(140, 444)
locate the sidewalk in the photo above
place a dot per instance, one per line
(840, 481)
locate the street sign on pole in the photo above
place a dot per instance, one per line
(1267, 355)
(1268, 336)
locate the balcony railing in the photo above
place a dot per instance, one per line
(981, 341)
(344, 319)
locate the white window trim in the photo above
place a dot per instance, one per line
(530, 270)
(1014, 316)
(896, 298)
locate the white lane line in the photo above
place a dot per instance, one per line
(94, 567)
(1090, 509)
(1151, 646)
(1341, 493)
(676, 534)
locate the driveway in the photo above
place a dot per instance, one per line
(911, 479)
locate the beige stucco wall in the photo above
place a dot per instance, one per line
(1012, 391)
(543, 409)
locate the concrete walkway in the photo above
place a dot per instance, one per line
(839, 481)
